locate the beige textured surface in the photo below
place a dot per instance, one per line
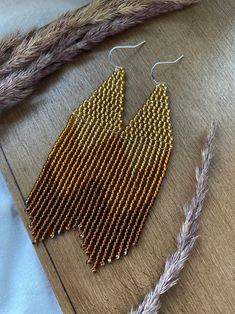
(201, 88)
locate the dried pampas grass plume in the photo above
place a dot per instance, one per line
(32, 45)
(186, 237)
(27, 59)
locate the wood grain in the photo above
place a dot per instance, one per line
(201, 89)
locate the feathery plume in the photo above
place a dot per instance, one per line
(17, 85)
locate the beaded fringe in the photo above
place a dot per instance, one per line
(101, 177)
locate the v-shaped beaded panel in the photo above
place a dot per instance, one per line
(102, 177)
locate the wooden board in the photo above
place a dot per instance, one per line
(201, 89)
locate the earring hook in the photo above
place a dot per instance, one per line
(120, 47)
(162, 62)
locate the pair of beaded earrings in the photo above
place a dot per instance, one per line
(102, 177)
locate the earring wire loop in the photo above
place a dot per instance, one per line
(116, 66)
(159, 63)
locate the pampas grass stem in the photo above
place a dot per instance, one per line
(187, 236)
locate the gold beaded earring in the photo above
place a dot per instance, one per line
(102, 177)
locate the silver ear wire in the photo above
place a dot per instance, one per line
(120, 47)
(162, 62)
